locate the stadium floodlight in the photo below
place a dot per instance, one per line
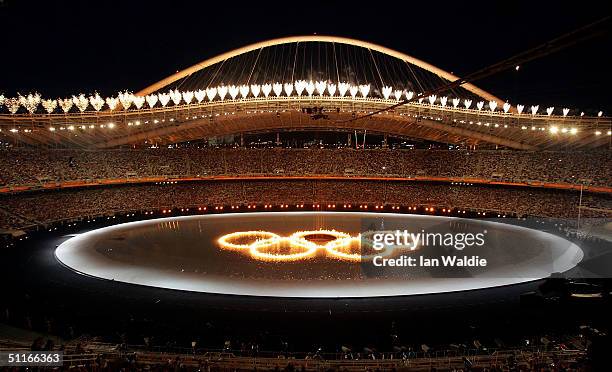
(506, 107)
(277, 88)
(343, 88)
(492, 105)
(81, 102)
(188, 96)
(66, 104)
(386, 92)
(140, 100)
(398, 94)
(534, 109)
(331, 89)
(266, 89)
(565, 111)
(244, 90)
(255, 90)
(12, 104)
(164, 98)
(550, 110)
(222, 91)
(443, 101)
(199, 94)
(30, 102)
(573, 131)
(553, 129)
(310, 88)
(364, 89)
(233, 91)
(520, 108)
(467, 103)
(96, 102)
(151, 100)
(300, 85)
(126, 98)
(599, 114)
(50, 104)
(288, 88)
(456, 102)
(320, 86)
(480, 105)
(176, 96)
(432, 99)
(353, 90)
(409, 95)
(211, 93)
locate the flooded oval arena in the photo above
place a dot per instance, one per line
(314, 254)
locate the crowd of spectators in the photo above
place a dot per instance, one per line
(22, 166)
(47, 206)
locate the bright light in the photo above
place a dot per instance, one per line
(187, 97)
(126, 98)
(550, 110)
(255, 90)
(175, 96)
(300, 85)
(321, 86)
(164, 98)
(151, 100)
(50, 105)
(386, 91)
(266, 89)
(233, 91)
(139, 101)
(343, 88)
(200, 94)
(288, 88)
(480, 105)
(331, 89)
(222, 91)
(554, 130)
(573, 131)
(278, 89)
(520, 108)
(268, 246)
(111, 125)
(364, 90)
(310, 88)
(492, 105)
(65, 104)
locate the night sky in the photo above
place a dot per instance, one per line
(60, 48)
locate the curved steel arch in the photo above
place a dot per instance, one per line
(317, 38)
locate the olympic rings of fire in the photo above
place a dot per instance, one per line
(264, 241)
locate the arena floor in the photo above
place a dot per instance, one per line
(183, 253)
